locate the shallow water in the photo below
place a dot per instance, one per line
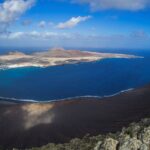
(100, 78)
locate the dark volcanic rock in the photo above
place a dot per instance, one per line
(25, 125)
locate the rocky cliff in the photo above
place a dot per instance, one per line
(134, 137)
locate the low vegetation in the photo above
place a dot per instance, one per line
(134, 137)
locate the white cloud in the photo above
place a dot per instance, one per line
(72, 22)
(11, 10)
(72, 36)
(50, 23)
(138, 39)
(42, 24)
(132, 5)
(26, 22)
(30, 35)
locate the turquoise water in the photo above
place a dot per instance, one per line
(99, 78)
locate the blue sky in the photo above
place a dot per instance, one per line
(75, 23)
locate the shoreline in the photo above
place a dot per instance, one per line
(55, 57)
(40, 66)
(61, 121)
(16, 100)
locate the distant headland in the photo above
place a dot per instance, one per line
(53, 57)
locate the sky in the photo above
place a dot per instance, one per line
(75, 23)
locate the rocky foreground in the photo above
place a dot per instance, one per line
(134, 137)
(53, 57)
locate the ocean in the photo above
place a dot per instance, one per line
(101, 78)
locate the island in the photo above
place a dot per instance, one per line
(53, 57)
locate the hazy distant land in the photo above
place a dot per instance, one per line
(53, 57)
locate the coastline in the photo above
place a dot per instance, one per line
(63, 99)
(61, 121)
(55, 57)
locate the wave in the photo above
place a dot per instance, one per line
(123, 91)
(15, 99)
(64, 99)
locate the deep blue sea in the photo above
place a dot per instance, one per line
(100, 78)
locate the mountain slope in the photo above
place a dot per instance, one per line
(36, 124)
